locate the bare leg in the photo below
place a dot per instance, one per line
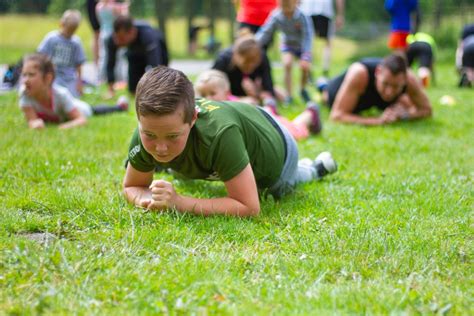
(327, 57)
(287, 64)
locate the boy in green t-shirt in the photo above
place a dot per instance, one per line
(239, 144)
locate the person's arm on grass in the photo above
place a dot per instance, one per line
(241, 200)
(265, 33)
(34, 122)
(355, 82)
(76, 118)
(414, 104)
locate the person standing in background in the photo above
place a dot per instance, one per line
(253, 13)
(90, 8)
(322, 14)
(401, 15)
(107, 11)
(465, 56)
(66, 52)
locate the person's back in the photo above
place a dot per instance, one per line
(400, 11)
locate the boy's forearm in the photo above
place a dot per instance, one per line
(214, 206)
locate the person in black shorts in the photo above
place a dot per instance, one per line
(322, 15)
(146, 49)
(421, 49)
(385, 84)
(90, 6)
(465, 56)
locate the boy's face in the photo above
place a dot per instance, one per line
(387, 84)
(35, 82)
(213, 91)
(165, 136)
(288, 7)
(68, 30)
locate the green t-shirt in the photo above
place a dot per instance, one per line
(226, 137)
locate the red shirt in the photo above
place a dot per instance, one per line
(255, 12)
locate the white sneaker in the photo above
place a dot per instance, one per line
(325, 164)
(122, 102)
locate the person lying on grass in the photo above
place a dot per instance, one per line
(243, 146)
(385, 84)
(214, 85)
(42, 101)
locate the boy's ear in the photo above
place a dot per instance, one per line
(195, 116)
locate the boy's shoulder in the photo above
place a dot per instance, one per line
(52, 35)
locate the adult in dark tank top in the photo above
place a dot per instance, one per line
(385, 84)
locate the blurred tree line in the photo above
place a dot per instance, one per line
(145, 8)
(370, 21)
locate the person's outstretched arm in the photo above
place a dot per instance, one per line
(34, 122)
(76, 118)
(242, 198)
(265, 33)
(414, 104)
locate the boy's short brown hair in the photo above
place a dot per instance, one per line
(162, 90)
(71, 18)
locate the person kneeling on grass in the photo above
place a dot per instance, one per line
(243, 146)
(214, 85)
(385, 84)
(42, 101)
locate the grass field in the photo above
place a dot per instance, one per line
(390, 233)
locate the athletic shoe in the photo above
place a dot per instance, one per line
(122, 102)
(325, 164)
(316, 125)
(288, 101)
(305, 95)
(321, 83)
